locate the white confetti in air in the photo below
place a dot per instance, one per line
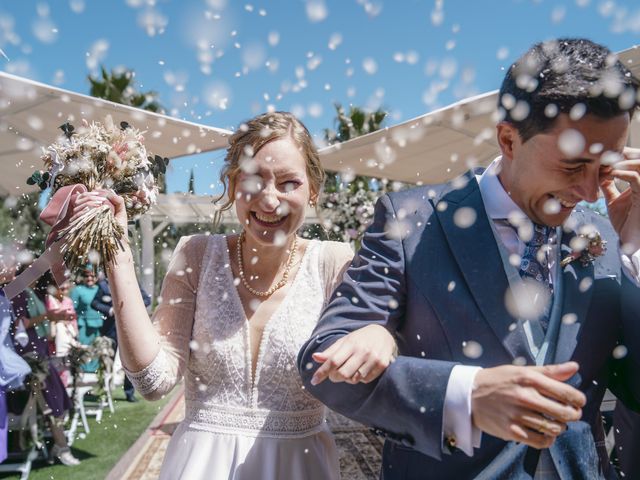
(585, 284)
(472, 349)
(577, 111)
(77, 6)
(437, 17)
(253, 55)
(316, 10)
(464, 217)
(551, 110)
(369, 65)
(620, 352)
(502, 53)
(334, 41)
(97, 53)
(44, 30)
(558, 14)
(152, 21)
(254, 304)
(315, 110)
(217, 95)
(610, 158)
(273, 38)
(551, 206)
(58, 77)
(527, 300)
(596, 148)
(520, 111)
(571, 142)
(393, 304)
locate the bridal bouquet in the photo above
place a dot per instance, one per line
(96, 156)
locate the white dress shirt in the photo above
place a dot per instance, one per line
(457, 419)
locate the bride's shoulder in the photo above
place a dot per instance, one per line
(336, 250)
(334, 256)
(195, 246)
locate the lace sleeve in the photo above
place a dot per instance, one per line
(334, 261)
(173, 320)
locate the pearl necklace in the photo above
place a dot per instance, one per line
(277, 286)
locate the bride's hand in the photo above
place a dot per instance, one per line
(361, 356)
(98, 198)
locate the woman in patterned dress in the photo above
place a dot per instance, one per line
(235, 310)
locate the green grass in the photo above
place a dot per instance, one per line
(101, 449)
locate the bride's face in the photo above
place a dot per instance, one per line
(272, 193)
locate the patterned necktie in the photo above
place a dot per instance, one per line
(535, 263)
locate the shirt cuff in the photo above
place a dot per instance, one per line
(457, 424)
(631, 266)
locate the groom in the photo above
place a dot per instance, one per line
(510, 314)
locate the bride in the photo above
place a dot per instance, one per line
(233, 314)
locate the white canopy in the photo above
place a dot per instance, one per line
(30, 113)
(439, 145)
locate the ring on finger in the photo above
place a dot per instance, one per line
(544, 426)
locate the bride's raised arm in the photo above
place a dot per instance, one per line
(152, 352)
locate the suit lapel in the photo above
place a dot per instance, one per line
(478, 257)
(578, 287)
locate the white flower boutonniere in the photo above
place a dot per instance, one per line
(586, 247)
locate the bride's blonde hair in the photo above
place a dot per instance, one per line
(254, 134)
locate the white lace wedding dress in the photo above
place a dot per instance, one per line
(239, 427)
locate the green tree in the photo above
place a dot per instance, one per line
(20, 222)
(347, 203)
(120, 87)
(192, 184)
(355, 123)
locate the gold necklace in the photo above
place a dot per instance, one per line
(277, 286)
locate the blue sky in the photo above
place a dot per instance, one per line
(219, 62)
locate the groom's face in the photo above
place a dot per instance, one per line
(551, 172)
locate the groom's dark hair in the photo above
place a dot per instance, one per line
(555, 76)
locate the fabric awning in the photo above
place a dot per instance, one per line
(31, 112)
(439, 145)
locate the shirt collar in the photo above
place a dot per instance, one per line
(497, 202)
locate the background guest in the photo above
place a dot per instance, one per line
(13, 369)
(64, 333)
(30, 311)
(89, 320)
(103, 303)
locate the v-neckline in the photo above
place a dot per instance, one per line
(254, 377)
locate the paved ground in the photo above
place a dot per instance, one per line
(359, 449)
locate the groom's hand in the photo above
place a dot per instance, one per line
(530, 405)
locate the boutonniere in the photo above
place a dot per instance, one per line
(586, 247)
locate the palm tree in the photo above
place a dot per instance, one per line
(119, 87)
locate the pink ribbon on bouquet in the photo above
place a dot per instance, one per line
(57, 214)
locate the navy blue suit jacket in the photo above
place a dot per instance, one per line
(102, 303)
(436, 285)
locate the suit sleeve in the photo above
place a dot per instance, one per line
(406, 403)
(98, 303)
(625, 380)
